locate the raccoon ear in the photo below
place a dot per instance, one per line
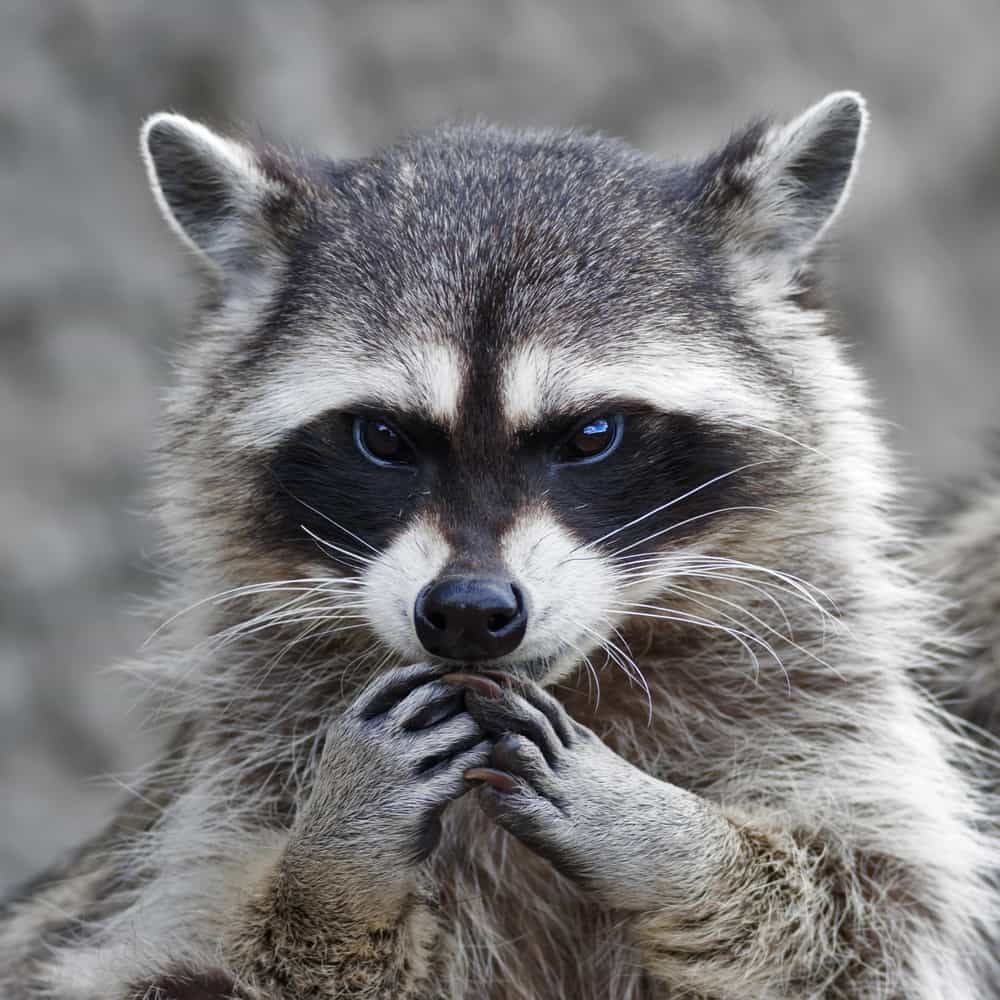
(780, 187)
(213, 191)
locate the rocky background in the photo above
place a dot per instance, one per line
(93, 290)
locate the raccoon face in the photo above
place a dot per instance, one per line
(503, 385)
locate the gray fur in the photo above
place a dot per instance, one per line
(752, 796)
(964, 554)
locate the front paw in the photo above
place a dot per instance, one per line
(391, 764)
(558, 788)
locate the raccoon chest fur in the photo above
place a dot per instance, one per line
(523, 931)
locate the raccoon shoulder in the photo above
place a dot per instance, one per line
(964, 553)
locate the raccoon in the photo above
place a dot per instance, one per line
(541, 628)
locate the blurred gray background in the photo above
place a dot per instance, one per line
(93, 290)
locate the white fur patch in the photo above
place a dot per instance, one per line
(568, 591)
(669, 375)
(395, 578)
(436, 371)
(333, 375)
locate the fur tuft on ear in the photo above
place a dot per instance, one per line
(211, 190)
(778, 188)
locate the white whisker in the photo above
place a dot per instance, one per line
(741, 636)
(250, 590)
(668, 504)
(686, 521)
(624, 660)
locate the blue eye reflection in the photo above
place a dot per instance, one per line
(593, 440)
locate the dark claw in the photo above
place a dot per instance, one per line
(504, 680)
(499, 780)
(474, 682)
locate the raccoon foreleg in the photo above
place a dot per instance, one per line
(342, 911)
(721, 905)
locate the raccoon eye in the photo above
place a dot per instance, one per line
(593, 440)
(380, 442)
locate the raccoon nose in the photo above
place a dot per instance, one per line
(470, 618)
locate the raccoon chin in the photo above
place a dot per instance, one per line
(543, 670)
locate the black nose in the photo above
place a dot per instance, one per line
(470, 618)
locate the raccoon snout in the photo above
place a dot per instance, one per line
(470, 618)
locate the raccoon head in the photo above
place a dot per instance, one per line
(505, 385)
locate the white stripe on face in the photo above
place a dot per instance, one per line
(394, 579)
(568, 591)
(672, 376)
(426, 379)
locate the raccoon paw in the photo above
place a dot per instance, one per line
(394, 760)
(527, 786)
(561, 791)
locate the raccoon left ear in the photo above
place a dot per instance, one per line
(216, 193)
(779, 188)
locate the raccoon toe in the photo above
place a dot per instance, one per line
(518, 769)
(436, 748)
(428, 705)
(442, 784)
(516, 807)
(565, 727)
(387, 691)
(518, 757)
(513, 713)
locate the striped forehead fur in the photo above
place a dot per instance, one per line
(336, 373)
(667, 373)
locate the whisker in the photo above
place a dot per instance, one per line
(672, 614)
(249, 590)
(364, 560)
(670, 503)
(695, 564)
(266, 626)
(686, 591)
(330, 520)
(593, 681)
(625, 661)
(268, 669)
(686, 521)
(784, 437)
(803, 587)
(285, 612)
(725, 578)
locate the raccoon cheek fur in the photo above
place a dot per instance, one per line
(636, 842)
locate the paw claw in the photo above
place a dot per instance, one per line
(481, 685)
(499, 780)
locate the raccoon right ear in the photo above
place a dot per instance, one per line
(213, 191)
(777, 189)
